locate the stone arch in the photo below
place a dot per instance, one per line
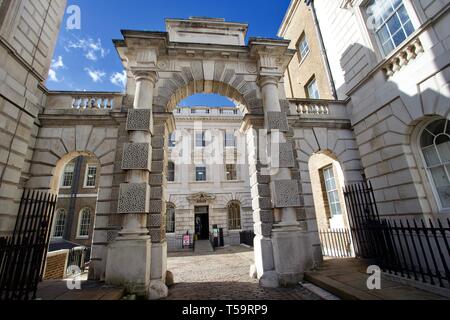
(216, 77)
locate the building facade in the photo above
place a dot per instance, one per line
(204, 189)
(76, 206)
(306, 76)
(390, 65)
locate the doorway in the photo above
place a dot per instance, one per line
(202, 222)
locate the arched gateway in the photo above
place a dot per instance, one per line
(204, 56)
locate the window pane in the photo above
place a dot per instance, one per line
(444, 148)
(201, 174)
(431, 156)
(85, 223)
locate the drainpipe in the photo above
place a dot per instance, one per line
(322, 48)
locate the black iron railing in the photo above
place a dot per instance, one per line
(22, 255)
(336, 243)
(414, 249)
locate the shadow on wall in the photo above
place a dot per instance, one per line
(388, 112)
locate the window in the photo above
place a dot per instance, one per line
(332, 192)
(391, 23)
(200, 174)
(90, 180)
(303, 47)
(60, 223)
(312, 91)
(230, 139)
(234, 216)
(171, 172)
(231, 172)
(172, 142)
(435, 145)
(67, 179)
(84, 224)
(200, 140)
(170, 218)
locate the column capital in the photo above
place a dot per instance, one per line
(149, 74)
(265, 80)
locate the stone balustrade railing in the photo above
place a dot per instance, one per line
(403, 56)
(317, 108)
(207, 111)
(82, 101)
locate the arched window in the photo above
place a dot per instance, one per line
(84, 223)
(171, 172)
(170, 218)
(234, 216)
(60, 223)
(435, 145)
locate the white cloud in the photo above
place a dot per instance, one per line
(119, 79)
(58, 64)
(92, 49)
(52, 76)
(96, 75)
(55, 66)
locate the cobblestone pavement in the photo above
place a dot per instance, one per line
(223, 275)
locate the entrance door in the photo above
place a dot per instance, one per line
(202, 223)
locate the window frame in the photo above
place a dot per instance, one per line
(197, 172)
(63, 176)
(86, 176)
(169, 221)
(329, 192)
(80, 220)
(203, 133)
(231, 221)
(308, 85)
(302, 39)
(56, 219)
(226, 140)
(415, 16)
(228, 172)
(426, 167)
(171, 170)
(172, 140)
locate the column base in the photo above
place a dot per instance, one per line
(129, 263)
(157, 290)
(291, 254)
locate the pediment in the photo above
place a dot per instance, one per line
(201, 197)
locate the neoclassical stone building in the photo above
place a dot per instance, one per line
(390, 64)
(295, 148)
(202, 192)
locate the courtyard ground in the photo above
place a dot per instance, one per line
(223, 275)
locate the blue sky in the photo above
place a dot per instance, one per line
(86, 59)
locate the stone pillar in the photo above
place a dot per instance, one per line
(163, 125)
(129, 257)
(288, 240)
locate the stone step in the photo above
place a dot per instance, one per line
(203, 246)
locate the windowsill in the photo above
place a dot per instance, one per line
(82, 238)
(65, 188)
(235, 231)
(202, 182)
(86, 187)
(233, 181)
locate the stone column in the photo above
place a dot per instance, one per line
(163, 125)
(129, 257)
(288, 241)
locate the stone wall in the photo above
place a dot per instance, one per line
(28, 33)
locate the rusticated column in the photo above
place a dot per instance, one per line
(129, 257)
(289, 242)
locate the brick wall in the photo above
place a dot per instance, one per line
(56, 265)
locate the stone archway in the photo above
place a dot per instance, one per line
(163, 69)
